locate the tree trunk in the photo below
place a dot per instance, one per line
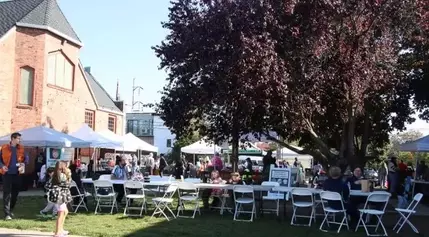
(365, 139)
(234, 153)
(350, 152)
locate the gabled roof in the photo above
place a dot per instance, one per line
(43, 14)
(102, 98)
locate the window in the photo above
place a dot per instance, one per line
(168, 142)
(26, 86)
(111, 124)
(89, 118)
(60, 71)
(140, 127)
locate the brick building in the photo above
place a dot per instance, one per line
(41, 78)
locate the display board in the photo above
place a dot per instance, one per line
(283, 176)
(55, 154)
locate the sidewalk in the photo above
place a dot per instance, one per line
(24, 233)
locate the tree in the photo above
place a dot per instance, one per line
(346, 91)
(325, 73)
(222, 68)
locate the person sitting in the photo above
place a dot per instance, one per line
(216, 193)
(235, 179)
(335, 184)
(119, 172)
(76, 177)
(354, 182)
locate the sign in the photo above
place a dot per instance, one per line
(281, 176)
(55, 154)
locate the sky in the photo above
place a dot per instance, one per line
(117, 38)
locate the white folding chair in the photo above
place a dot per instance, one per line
(317, 203)
(105, 195)
(80, 196)
(378, 198)
(272, 196)
(406, 213)
(244, 190)
(188, 193)
(332, 197)
(161, 203)
(302, 193)
(134, 185)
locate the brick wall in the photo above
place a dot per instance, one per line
(61, 109)
(7, 65)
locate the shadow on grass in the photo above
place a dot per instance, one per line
(210, 224)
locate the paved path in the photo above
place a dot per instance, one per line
(24, 233)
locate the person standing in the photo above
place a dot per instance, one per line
(382, 174)
(150, 164)
(12, 159)
(392, 175)
(162, 164)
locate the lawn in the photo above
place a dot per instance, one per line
(208, 224)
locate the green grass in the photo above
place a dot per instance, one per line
(208, 224)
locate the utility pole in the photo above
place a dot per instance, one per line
(138, 89)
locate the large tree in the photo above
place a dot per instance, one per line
(221, 61)
(324, 72)
(347, 90)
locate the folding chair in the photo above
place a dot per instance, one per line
(302, 193)
(378, 198)
(161, 203)
(272, 196)
(134, 185)
(80, 196)
(317, 203)
(223, 200)
(240, 201)
(406, 213)
(188, 192)
(105, 195)
(334, 197)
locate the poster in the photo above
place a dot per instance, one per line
(52, 156)
(281, 176)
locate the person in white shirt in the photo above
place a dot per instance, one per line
(150, 165)
(42, 174)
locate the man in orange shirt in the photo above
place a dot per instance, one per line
(12, 158)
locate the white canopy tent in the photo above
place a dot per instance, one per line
(97, 140)
(201, 148)
(46, 137)
(419, 145)
(117, 138)
(135, 143)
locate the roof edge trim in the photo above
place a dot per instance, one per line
(50, 29)
(10, 31)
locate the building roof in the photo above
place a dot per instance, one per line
(103, 99)
(45, 14)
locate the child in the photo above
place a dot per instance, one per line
(216, 193)
(59, 193)
(50, 206)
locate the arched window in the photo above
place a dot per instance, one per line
(26, 86)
